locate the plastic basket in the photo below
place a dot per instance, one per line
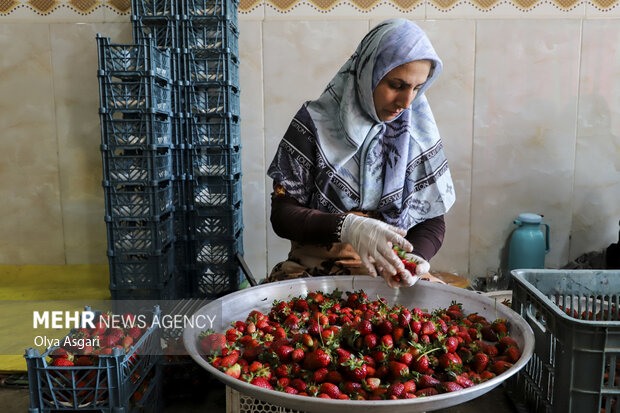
(213, 35)
(139, 236)
(163, 31)
(215, 192)
(144, 131)
(106, 386)
(153, 8)
(143, 96)
(216, 162)
(122, 166)
(226, 9)
(217, 131)
(215, 280)
(213, 100)
(218, 251)
(166, 290)
(138, 202)
(219, 223)
(141, 272)
(204, 68)
(576, 363)
(132, 61)
(240, 403)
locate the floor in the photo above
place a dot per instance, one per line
(210, 397)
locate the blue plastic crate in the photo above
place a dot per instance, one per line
(154, 8)
(217, 251)
(141, 272)
(163, 31)
(219, 223)
(216, 131)
(139, 236)
(217, 35)
(165, 292)
(205, 9)
(202, 67)
(207, 162)
(215, 280)
(123, 166)
(143, 131)
(138, 201)
(213, 100)
(215, 192)
(143, 95)
(108, 385)
(132, 61)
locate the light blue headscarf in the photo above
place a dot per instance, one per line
(357, 162)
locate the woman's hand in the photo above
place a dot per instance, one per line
(373, 240)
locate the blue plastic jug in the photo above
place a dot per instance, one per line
(528, 244)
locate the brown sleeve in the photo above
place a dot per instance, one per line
(427, 237)
(293, 221)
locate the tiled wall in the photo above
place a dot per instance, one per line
(528, 106)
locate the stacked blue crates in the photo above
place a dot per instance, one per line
(202, 36)
(136, 147)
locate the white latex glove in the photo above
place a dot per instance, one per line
(422, 266)
(373, 240)
(406, 278)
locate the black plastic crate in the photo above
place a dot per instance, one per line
(163, 31)
(133, 61)
(223, 9)
(108, 385)
(202, 67)
(217, 131)
(138, 201)
(168, 291)
(218, 223)
(154, 8)
(143, 131)
(207, 161)
(217, 35)
(138, 237)
(143, 95)
(215, 192)
(148, 273)
(138, 167)
(215, 280)
(213, 100)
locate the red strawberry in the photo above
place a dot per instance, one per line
(320, 375)
(60, 353)
(62, 362)
(212, 343)
(84, 361)
(462, 381)
(261, 382)
(234, 371)
(501, 366)
(395, 389)
(298, 355)
(428, 391)
(135, 332)
(420, 364)
(330, 389)
(334, 376)
(427, 381)
(398, 370)
(513, 354)
(229, 360)
(317, 359)
(488, 333)
(506, 342)
(480, 362)
(387, 341)
(449, 386)
(372, 383)
(299, 384)
(410, 386)
(448, 360)
(451, 344)
(127, 342)
(428, 328)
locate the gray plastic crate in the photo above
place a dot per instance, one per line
(164, 31)
(141, 272)
(155, 9)
(144, 131)
(217, 35)
(135, 167)
(217, 131)
(209, 161)
(136, 237)
(138, 201)
(133, 60)
(576, 363)
(202, 67)
(215, 192)
(197, 9)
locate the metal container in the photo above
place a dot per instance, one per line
(426, 295)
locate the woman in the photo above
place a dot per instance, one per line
(362, 167)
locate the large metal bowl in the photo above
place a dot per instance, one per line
(426, 295)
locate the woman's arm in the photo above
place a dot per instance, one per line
(427, 237)
(293, 221)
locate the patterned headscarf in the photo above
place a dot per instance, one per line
(337, 156)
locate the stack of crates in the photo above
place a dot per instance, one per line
(136, 134)
(200, 40)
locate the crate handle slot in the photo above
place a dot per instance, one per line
(531, 316)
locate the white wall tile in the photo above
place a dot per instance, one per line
(252, 140)
(300, 58)
(524, 132)
(596, 199)
(31, 224)
(76, 97)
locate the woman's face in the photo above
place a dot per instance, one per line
(398, 88)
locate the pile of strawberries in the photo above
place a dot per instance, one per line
(353, 347)
(104, 337)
